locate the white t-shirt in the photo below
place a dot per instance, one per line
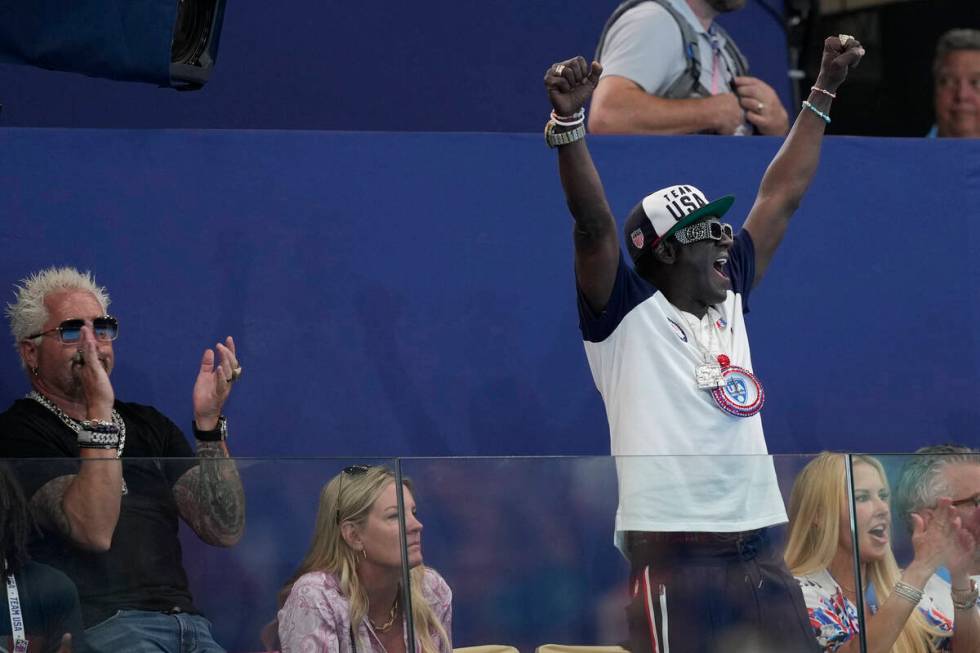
(684, 464)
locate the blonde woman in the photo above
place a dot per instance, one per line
(899, 616)
(346, 595)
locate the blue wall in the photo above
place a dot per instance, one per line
(412, 294)
(439, 65)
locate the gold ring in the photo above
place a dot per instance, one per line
(559, 69)
(760, 107)
(235, 374)
(844, 38)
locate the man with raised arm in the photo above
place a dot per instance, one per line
(109, 522)
(666, 343)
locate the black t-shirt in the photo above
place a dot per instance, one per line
(142, 570)
(49, 604)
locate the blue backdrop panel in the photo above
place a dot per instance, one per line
(439, 65)
(412, 294)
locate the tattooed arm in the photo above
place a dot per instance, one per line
(83, 507)
(210, 496)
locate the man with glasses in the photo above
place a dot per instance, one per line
(110, 523)
(946, 473)
(667, 346)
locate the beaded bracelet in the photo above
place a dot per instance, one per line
(823, 116)
(100, 426)
(569, 121)
(824, 91)
(906, 591)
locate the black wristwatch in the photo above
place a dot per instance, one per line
(217, 434)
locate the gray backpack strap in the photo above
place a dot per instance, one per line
(688, 84)
(741, 62)
(619, 11)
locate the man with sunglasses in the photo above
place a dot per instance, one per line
(667, 346)
(108, 516)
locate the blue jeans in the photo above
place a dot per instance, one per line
(138, 631)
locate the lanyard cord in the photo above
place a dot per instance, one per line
(16, 616)
(694, 324)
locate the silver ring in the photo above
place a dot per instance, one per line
(844, 38)
(559, 69)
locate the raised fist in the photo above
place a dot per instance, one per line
(840, 53)
(570, 84)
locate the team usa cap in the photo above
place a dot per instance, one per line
(666, 211)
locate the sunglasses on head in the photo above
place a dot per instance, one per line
(705, 230)
(351, 470)
(106, 328)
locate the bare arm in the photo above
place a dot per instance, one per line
(884, 627)
(966, 621)
(966, 629)
(210, 496)
(788, 176)
(569, 85)
(83, 507)
(621, 106)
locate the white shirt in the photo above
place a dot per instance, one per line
(684, 464)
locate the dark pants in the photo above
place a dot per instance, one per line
(713, 593)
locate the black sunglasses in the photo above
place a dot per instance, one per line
(351, 470)
(106, 328)
(706, 230)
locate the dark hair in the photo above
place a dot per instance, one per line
(15, 522)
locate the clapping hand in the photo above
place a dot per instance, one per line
(213, 384)
(939, 538)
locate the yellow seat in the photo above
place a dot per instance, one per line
(572, 648)
(486, 648)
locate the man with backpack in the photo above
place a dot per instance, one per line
(669, 68)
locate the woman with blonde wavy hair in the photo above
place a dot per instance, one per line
(899, 616)
(346, 594)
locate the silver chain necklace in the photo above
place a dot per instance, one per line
(76, 426)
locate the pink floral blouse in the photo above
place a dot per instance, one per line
(316, 616)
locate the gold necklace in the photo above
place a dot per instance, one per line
(386, 626)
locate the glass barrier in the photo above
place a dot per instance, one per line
(526, 545)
